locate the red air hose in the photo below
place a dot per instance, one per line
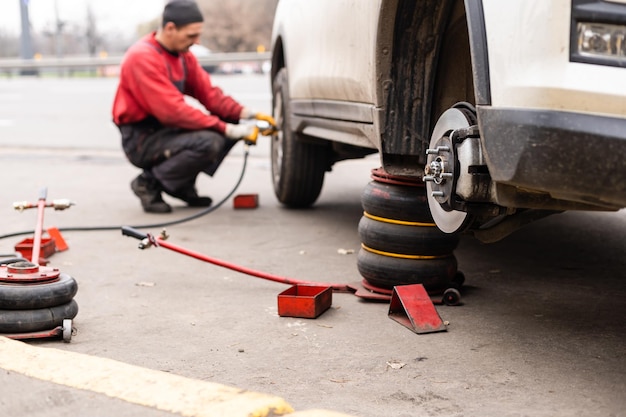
(149, 240)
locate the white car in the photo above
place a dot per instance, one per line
(507, 110)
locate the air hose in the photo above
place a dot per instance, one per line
(148, 240)
(153, 225)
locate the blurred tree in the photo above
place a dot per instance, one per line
(91, 32)
(230, 26)
(9, 45)
(149, 26)
(237, 25)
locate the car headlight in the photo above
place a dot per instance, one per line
(602, 41)
(598, 32)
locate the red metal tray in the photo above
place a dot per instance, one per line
(25, 247)
(304, 301)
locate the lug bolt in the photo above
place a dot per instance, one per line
(437, 150)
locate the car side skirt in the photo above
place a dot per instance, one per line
(351, 123)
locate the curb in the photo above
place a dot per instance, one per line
(142, 386)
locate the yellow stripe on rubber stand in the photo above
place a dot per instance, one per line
(402, 256)
(393, 221)
(133, 384)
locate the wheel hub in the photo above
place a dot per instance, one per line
(441, 171)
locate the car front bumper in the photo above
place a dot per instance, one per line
(572, 156)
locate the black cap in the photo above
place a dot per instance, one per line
(182, 12)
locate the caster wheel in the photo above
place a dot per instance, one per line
(67, 330)
(451, 297)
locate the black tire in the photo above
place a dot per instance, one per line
(37, 295)
(26, 321)
(405, 239)
(298, 167)
(396, 202)
(387, 272)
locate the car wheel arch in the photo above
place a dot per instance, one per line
(407, 121)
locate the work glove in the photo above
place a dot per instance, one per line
(247, 132)
(250, 114)
(266, 118)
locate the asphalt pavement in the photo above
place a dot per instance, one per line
(541, 330)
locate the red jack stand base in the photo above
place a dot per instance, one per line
(65, 332)
(412, 307)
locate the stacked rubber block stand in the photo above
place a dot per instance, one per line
(400, 243)
(33, 298)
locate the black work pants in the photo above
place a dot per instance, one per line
(175, 157)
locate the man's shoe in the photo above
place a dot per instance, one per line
(190, 196)
(149, 193)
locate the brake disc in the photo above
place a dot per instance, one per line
(441, 171)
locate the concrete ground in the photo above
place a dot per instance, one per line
(541, 331)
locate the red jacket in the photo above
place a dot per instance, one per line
(146, 88)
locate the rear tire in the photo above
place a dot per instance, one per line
(298, 167)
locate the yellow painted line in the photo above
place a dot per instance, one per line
(393, 221)
(400, 255)
(146, 387)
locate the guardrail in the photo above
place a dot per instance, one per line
(82, 63)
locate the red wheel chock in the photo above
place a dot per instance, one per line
(412, 307)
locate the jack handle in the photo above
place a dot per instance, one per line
(146, 239)
(59, 204)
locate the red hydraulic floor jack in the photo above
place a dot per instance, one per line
(36, 302)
